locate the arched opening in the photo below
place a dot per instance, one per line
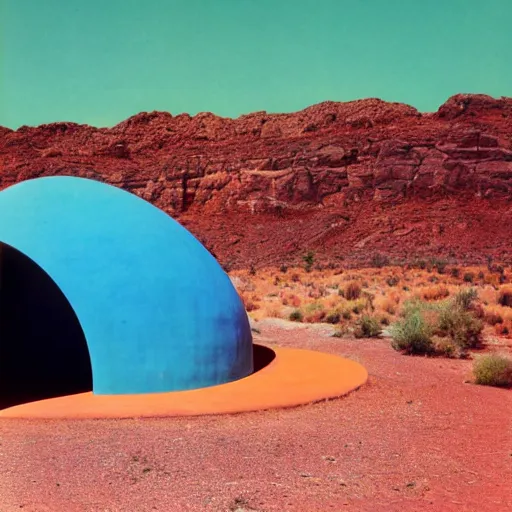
(43, 351)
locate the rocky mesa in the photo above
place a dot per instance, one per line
(345, 180)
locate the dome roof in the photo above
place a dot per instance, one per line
(157, 310)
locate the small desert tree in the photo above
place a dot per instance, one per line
(309, 259)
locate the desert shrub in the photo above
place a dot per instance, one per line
(460, 325)
(493, 370)
(439, 265)
(421, 264)
(392, 280)
(296, 315)
(503, 329)
(465, 298)
(352, 291)
(505, 297)
(340, 331)
(283, 269)
(251, 306)
(358, 306)
(435, 292)
(468, 277)
(445, 346)
(481, 275)
(346, 314)
(295, 278)
(272, 311)
(368, 299)
(493, 317)
(314, 313)
(291, 300)
(333, 317)
(412, 334)
(389, 306)
(455, 272)
(379, 260)
(367, 327)
(478, 310)
(384, 320)
(309, 259)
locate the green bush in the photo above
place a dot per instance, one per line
(460, 325)
(309, 259)
(456, 329)
(465, 298)
(333, 317)
(493, 370)
(367, 327)
(412, 334)
(296, 315)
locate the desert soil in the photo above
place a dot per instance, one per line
(416, 437)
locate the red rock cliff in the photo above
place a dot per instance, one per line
(346, 180)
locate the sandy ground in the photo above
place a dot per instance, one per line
(416, 437)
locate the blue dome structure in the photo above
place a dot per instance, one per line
(116, 289)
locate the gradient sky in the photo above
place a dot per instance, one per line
(101, 61)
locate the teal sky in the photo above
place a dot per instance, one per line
(101, 61)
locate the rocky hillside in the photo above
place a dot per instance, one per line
(346, 180)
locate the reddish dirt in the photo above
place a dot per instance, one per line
(415, 437)
(346, 180)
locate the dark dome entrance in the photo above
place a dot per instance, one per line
(43, 351)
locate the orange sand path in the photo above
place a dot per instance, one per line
(294, 377)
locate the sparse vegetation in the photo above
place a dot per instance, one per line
(380, 260)
(469, 277)
(309, 259)
(352, 291)
(412, 334)
(392, 281)
(505, 297)
(367, 327)
(493, 370)
(465, 298)
(436, 292)
(460, 326)
(296, 315)
(333, 317)
(314, 313)
(429, 313)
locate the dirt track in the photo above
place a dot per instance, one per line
(416, 437)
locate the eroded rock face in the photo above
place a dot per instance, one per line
(326, 159)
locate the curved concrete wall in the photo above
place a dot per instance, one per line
(157, 310)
